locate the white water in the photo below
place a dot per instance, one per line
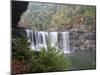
(54, 39)
(65, 39)
(39, 39)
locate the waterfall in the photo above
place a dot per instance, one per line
(30, 37)
(54, 39)
(42, 39)
(39, 40)
(65, 39)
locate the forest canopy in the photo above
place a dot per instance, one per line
(46, 16)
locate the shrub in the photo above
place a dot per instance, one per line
(50, 59)
(22, 49)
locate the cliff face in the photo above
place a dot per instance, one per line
(85, 41)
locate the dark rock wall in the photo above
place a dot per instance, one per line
(82, 40)
(18, 8)
(85, 40)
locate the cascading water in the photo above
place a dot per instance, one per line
(31, 38)
(54, 39)
(39, 39)
(65, 39)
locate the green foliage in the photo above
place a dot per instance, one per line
(22, 49)
(90, 15)
(50, 59)
(52, 16)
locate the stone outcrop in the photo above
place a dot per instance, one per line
(80, 40)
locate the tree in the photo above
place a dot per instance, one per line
(22, 49)
(49, 60)
(54, 16)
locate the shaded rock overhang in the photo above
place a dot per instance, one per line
(18, 8)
